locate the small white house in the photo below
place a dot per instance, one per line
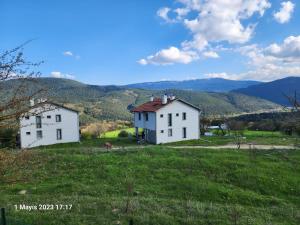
(47, 124)
(167, 119)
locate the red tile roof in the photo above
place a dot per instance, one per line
(151, 106)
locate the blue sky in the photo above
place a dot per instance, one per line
(120, 42)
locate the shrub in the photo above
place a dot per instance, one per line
(7, 138)
(86, 136)
(123, 133)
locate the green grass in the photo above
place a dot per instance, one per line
(167, 186)
(98, 143)
(255, 137)
(115, 133)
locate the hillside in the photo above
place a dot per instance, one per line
(112, 102)
(274, 91)
(152, 185)
(211, 85)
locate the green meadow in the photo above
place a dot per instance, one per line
(152, 185)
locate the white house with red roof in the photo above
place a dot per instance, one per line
(167, 119)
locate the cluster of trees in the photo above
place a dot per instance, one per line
(97, 129)
(287, 123)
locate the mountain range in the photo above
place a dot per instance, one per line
(211, 85)
(274, 91)
(112, 102)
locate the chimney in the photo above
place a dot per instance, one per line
(152, 98)
(31, 102)
(164, 99)
(43, 100)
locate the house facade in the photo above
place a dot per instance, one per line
(49, 124)
(167, 119)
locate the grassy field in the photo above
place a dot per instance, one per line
(254, 137)
(154, 185)
(115, 133)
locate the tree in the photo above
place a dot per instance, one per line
(204, 124)
(220, 122)
(293, 101)
(237, 129)
(17, 79)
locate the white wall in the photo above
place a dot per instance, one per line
(191, 123)
(69, 125)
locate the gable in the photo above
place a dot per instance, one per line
(178, 106)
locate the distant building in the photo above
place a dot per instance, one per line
(167, 119)
(47, 124)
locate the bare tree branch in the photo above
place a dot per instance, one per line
(18, 85)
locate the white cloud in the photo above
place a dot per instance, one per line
(272, 62)
(191, 4)
(71, 54)
(289, 49)
(267, 72)
(143, 62)
(163, 13)
(218, 75)
(69, 76)
(210, 54)
(285, 13)
(67, 53)
(199, 43)
(57, 74)
(221, 20)
(215, 21)
(181, 13)
(170, 56)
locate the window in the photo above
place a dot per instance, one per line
(184, 116)
(49, 117)
(147, 117)
(58, 134)
(170, 119)
(58, 118)
(140, 116)
(27, 133)
(162, 131)
(161, 115)
(177, 114)
(39, 134)
(170, 133)
(26, 117)
(184, 132)
(38, 120)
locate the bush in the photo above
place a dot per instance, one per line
(264, 125)
(123, 133)
(86, 136)
(7, 138)
(291, 127)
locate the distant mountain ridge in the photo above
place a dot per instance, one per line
(274, 91)
(208, 85)
(112, 102)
